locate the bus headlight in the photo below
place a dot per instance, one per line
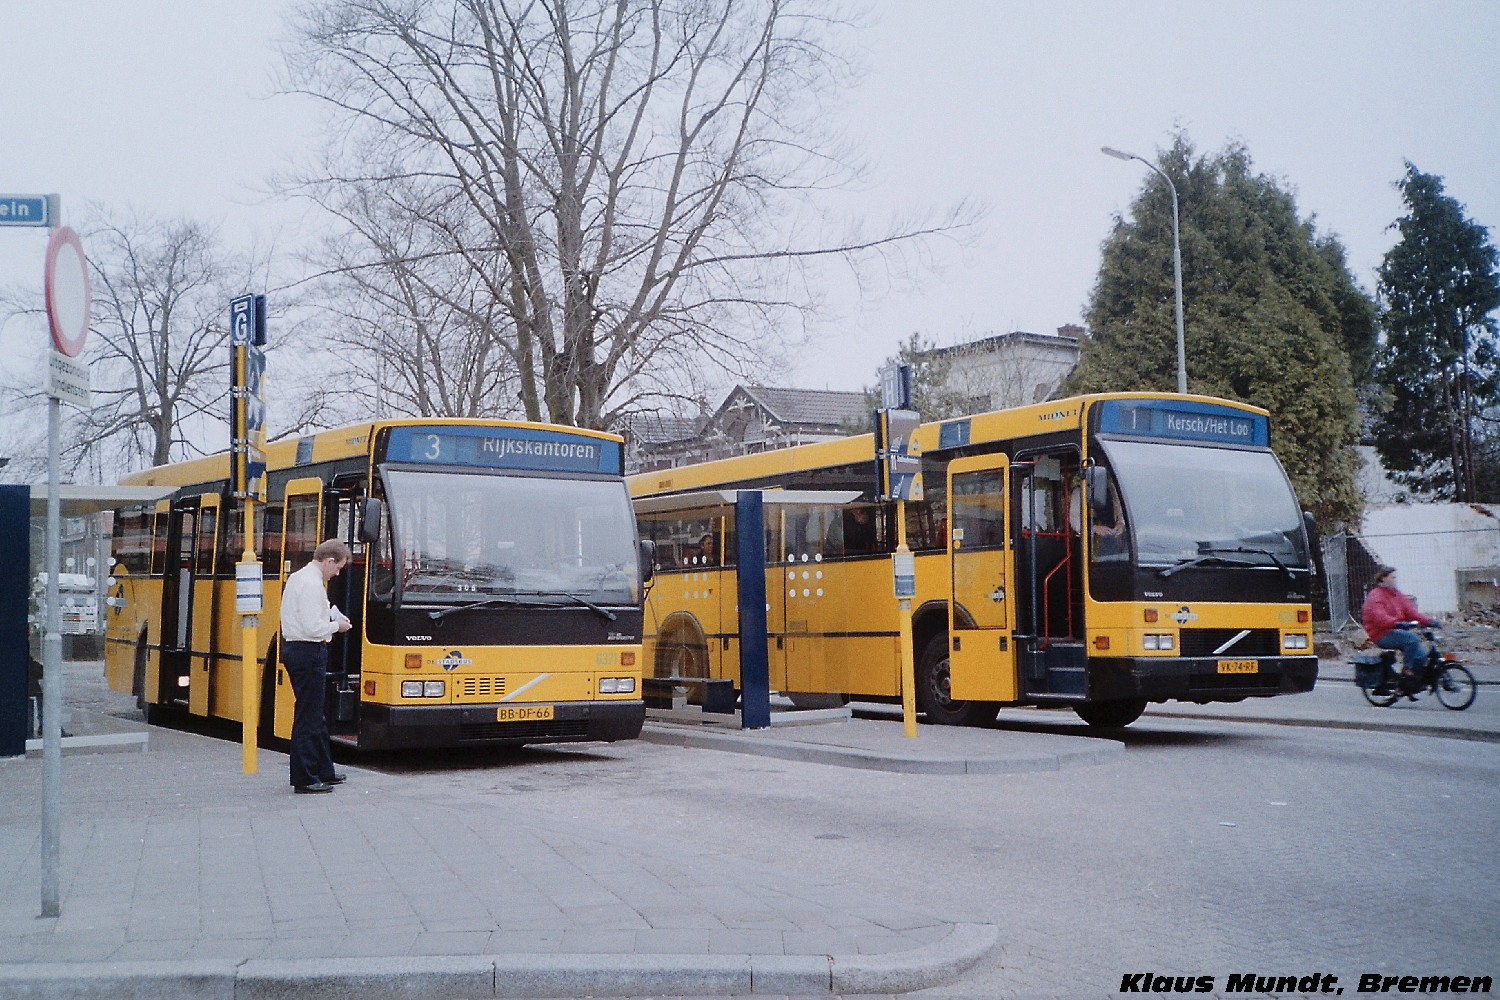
(411, 689)
(1157, 641)
(616, 685)
(432, 689)
(1294, 641)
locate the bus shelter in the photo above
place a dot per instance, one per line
(748, 510)
(23, 514)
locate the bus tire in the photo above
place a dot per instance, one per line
(682, 651)
(1111, 714)
(933, 686)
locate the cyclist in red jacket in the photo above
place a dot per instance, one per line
(1384, 608)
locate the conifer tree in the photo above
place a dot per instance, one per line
(1272, 315)
(1438, 365)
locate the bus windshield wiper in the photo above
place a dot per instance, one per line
(572, 597)
(1200, 560)
(1212, 554)
(445, 612)
(1263, 552)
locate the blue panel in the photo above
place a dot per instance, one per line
(505, 448)
(1183, 420)
(953, 434)
(750, 573)
(15, 572)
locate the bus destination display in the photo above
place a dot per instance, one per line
(1184, 421)
(504, 448)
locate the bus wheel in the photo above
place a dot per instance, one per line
(1111, 714)
(934, 694)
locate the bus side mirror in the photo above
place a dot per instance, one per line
(1096, 482)
(648, 560)
(369, 520)
(1314, 543)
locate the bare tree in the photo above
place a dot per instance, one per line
(157, 347)
(412, 330)
(619, 176)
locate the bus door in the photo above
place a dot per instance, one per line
(779, 560)
(803, 583)
(346, 592)
(301, 527)
(176, 673)
(204, 632)
(981, 615)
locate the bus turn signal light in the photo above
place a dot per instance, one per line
(1150, 614)
(413, 661)
(1101, 642)
(627, 659)
(1303, 615)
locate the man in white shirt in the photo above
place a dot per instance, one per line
(308, 621)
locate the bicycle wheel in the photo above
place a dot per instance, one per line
(1381, 696)
(1455, 687)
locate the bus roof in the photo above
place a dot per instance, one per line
(342, 442)
(996, 425)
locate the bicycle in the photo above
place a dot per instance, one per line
(1442, 675)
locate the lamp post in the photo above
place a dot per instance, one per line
(1176, 260)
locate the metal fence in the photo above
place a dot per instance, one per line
(1448, 570)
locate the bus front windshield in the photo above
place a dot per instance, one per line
(1212, 506)
(462, 537)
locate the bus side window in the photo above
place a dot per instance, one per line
(159, 544)
(301, 531)
(268, 527)
(208, 524)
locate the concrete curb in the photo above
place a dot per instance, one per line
(1442, 732)
(757, 744)
(441, 977)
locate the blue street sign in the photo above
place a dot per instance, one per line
(28, 210)
(241, 320)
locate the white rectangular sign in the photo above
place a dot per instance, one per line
(68, 380)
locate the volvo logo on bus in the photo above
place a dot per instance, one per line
(453, 660)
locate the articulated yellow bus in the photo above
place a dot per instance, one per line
(1100, 552)
(495, 587)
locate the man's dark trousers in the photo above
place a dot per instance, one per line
(307, 665)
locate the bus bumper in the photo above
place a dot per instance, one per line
(392, 726)
(1196, 679)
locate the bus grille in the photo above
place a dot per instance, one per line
(1205, 642)
(481, 687)
(541, 729)
(1263, 681)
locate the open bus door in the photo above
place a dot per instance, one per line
(175, 674)
(346, 591)
(302, 524)
(981, 609)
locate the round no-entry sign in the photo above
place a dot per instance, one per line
(67, 291)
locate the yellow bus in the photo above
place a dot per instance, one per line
(495, 589)
(1099, 552)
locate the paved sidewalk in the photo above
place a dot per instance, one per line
(183, 877)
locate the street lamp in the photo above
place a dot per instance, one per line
(1176, 260)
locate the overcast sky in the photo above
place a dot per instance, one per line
(169, 107)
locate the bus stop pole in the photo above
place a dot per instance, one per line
(903, 559)
(247, 594)
(750, 572)
(52, 679)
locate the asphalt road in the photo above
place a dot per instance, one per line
(1210, 848)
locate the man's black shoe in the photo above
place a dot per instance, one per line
(314, 788)
(339, 777)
